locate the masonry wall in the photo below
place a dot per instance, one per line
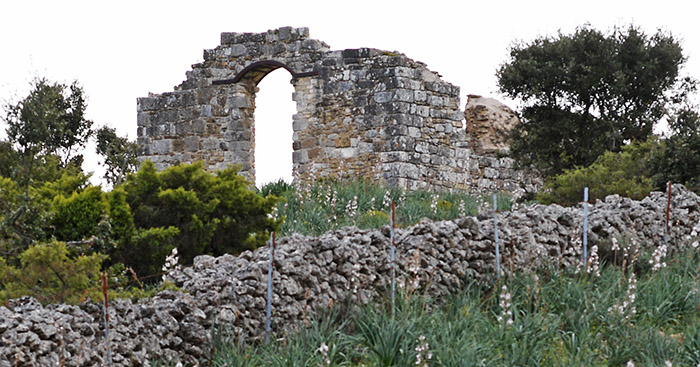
(360, 113)
(310, 272)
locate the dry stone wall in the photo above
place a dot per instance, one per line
(311, 273)
(360, 113)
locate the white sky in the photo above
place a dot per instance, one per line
(123, 50)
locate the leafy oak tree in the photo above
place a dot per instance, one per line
(590, 92)
(50, 121)
(120, 155)
(679, 160)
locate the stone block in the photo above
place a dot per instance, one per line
(346, 153)
(382, 97)
(143, 119)
(192, 143)
(364, 148)
(300, 156)
(210, 143)
(205, 111)
(414, 132)
(161, 146)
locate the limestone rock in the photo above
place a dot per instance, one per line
(487, 123)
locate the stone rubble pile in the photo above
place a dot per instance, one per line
(312, 273)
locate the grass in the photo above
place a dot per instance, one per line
(327, 205)
(559, 318)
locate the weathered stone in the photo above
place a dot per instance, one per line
(354, 106)
(488, 122)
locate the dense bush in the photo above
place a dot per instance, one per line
(49, 274)
(76, 217)
(214, 213)
(627, 173)
(134, 226)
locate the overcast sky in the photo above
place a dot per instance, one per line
(125, 49)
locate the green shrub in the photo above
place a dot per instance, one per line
(626, 173)
(214, 213)
(76, 217)
(49, 274)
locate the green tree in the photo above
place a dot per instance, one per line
(49, 121)
(120, 155)
(679, 160)
(590, 92)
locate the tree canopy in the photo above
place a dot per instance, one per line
(590, 92)
(50, 121)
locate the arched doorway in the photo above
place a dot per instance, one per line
(274, 109)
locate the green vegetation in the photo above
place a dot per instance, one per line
(548, 318)
(326, 205)
(58, 232)
(679, 159)
(49, 274)
(590, 92)
(626, 173)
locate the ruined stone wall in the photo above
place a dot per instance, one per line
(360, 113)
(311, 272)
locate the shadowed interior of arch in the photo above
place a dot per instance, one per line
(274, 109)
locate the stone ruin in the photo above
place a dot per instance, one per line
(360, 113)
(229, 292)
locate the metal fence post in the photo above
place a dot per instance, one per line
(269, 289)
(668, 213)
(585, 228)
(393, 255)
(105, 310)
(495, 233)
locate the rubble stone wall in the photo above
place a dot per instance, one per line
(360, 113)
(312, 273)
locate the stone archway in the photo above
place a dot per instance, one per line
(243, 89)
(360, 113)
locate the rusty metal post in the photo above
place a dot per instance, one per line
(667, 233)
(393, 255)
(585, 228)
(269, 289)
(495, 233)
(105, 310)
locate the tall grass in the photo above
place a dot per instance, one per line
(325, 205)
(557, 318)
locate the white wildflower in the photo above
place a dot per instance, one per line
(462, 209)
(423, 353)
(627, 308)
(323, 349)
(657, 258)
(433, 204)
(386, 201)
(170, 263)
(615, 244)
(351, 208)
(594, 262)
(506, 316)
(629, 363)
